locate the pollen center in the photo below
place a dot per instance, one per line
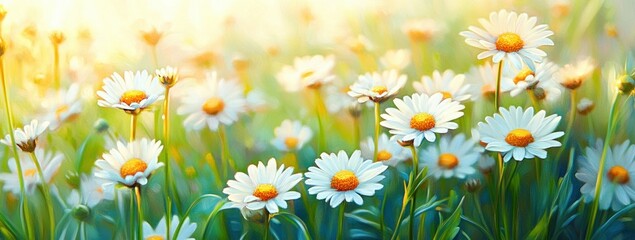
(379, 89)
(448, 161)
(213, 105)
(155, 237)
(291, 142)
(132, 167)
(618, 174)
(422, 121)
(265, 192)
(132, 96)
(522, 75)
(306, 74)
(446, 94)
(383, 155)
(29, 172)
(509, 42)
(344, 180)
(519, 137)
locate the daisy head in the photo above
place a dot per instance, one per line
(49, 162)
(389, 152)
(216, 101)
(585, 106)
(307, 72)
(519, 133)
(573, 75)
(377, 87)
(483, 78)
(511, 37)
(449, 84)
(168, 76)
(421, 116)
(337, 178)
(185, 233)
(451, 157)
(618, 184)
(291, 136)
(91, 192)
(421, 30)
(129, 164)
(26, 137)
(264, 186)
(518, 81)
(65, 106)
(396, 59)
(132, 93)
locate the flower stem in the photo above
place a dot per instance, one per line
(376, 142)
(133, 126)
(267, 222)
(357, 132)
(571, 121)
(26, 223)
(340, 222)
(56, 65)
(318, 102)
(47, 196)
(598, 181)
(413, 201)
(225, 153)
(166, 159)
(140, 213)
(497, 94)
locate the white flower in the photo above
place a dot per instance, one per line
(185, 233)
(518, 81)
(585, 106)
(49, 162)
(618, 187)
(421, 29)
(572, 76)
(390, 153)
(291, 136)
(483, 80)
(26, 137)
(92, 192)
(264, 186)
(509, 36)
(129, 164)
(168, 76)
(396, 59)
(216, 102)
(132, 93)
(448, 84)
(337, 99)
(486, 161)
(421, 116)
(376, 87)
(307, 72)
(520, 133)
(338, 177)
(62, 107)
(452, 157)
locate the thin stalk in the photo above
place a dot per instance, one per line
(534, 100)
(321, 140)
(413, 201)
(26, 220)
(497, 96)
(155, 59)
(140, 213)
(226, 157)
(376, 142)
(340, 222)
(166, 159)
(47, 196)
(357, 132)
(267, 222)
(133, 126)
(131, 214)
(571, 121)
(598, 181)
(395, 233)
(56, 65)
(479, 211)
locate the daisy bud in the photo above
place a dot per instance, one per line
(57, 37)
(405, 143)
(101, 125)
(473, 185)
(253, 215)
(585, 106)
(168, 76)
(626, 84)
(73, 179)
(355, 110)
(81, 212)
(539, 93)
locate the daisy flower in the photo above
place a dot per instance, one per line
(132, 93)
(291, 136)
(338, 177)
(185, 233)
(396, 59)
(263, 187)
(618, 187)
(377, 87)
(65, 106)
(129, 164)
(452, 157)
(518, 81)
(307, 72)
(91, 192)
(421, 116)
(216, 102)
(509, 36)
(486, 161)
(421, 30)
(548, 89)
(390, 152)
(519, 133)
(168, 76)
(483, 78)
(449, 84)
(572, 76)
(49, 162)
(585, 106)
(337, 99)
(26, 137)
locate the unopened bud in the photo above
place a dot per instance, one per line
(626, 84)
(73, 179)
(101, 125)
(81, 212)
(473, 185)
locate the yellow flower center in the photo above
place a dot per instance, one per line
(29, 172)
(132, 167)
(618, 174)
(448, 161)
(291, 142)
(519, 137)
(213, 105)
(60, 110)
(379, 89)
(155, 237)
(522, 75)
(383, 155)
(306, 74)
(265, 192)
(422, 121)
(344, 180)
(132, 96)
(509, 42)
(446, 94)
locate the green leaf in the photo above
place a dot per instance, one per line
(295, 220)
(541, 228)
(449, 228)
(611, 220)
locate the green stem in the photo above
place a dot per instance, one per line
(133, 126)
(26, 223)
(479, 211)
(376, 142)
(340, 222)
(357, 133)
(267, 222)
(56, 65)
(497, 96)
(47, 196)
(140, 213)
(395, 233)
(571, 121)
(318, 103)
(166, 159)
(534, 100)
(598, 181)
(413, 201)
(225, 153)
